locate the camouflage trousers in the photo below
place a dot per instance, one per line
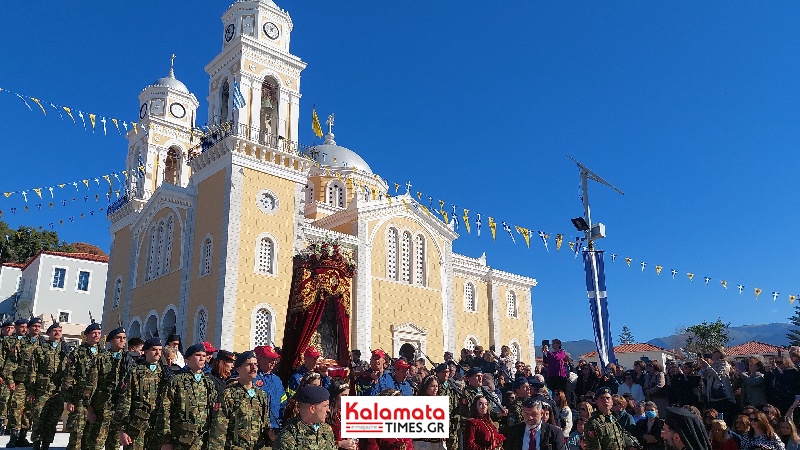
(46, 416)
(5, 399)
(102, 432)
(76, 424)
(19, 410)
(143, 441)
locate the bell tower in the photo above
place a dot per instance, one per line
(255, 80)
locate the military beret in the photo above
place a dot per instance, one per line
(311, 395)
(20, 322)
(34, 321)
(150, 343)
(535, 383)
(7, 323)
(603, 390)
(242, 357)
(92, 327)
(441, 368)
(473, 371)
(115, 332)
(194, 349)
(50, 328)
(518, 383)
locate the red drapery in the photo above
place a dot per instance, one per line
(317, 279)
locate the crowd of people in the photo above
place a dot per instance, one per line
(157, 395)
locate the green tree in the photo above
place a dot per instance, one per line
(794, 334)
(24, 243)
(626, 337)
(705, 337)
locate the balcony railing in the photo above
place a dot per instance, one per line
(250, 133)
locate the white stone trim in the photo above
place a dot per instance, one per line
(494, 313)
(275, 205)
(362, 292)
(531, 343)
(511, 345)
(411, 333)
(448, 299)
(272, 323)
(473, 338)
(257, 251)
(225, 320)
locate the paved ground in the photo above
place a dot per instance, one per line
(60, 442)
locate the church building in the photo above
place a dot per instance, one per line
(204, 240)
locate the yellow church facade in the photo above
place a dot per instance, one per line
(203, 242)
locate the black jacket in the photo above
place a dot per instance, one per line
(550, 438)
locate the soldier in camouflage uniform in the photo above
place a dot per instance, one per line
(7, 367)
(308, 430)
(188, 406)
(102, 431)
(243, 421)
(602, 430)
(446, 388)
(47, 374)
(19, 420)
(81, 382)
(138, 402)
(522, 390)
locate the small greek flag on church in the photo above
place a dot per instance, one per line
(238, 98)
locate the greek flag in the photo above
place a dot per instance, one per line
(238, 98)
(598, 304)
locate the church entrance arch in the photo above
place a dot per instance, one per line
(409, 333)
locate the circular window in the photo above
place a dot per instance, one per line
(267, 201)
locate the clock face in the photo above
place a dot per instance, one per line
(229, 30)
(177, 110)
(157, 106)
(268, 202)
(271, 30)
(143, 111)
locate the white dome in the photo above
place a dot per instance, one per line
(331, 155)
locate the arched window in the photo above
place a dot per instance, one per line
(160, 252)
(269, 106)
(336, 194)
(205, 264)
(135, 330)
(172, 166)
(168, 323)
(168, 243)
(117, 292)
(405, 258)
(201, 323)
(262, 328)
(419, 260)
(366, 193)
(391, 254)
(151, 327)
(224, 99)
(511, 304)
(266, 249)
(470, 304)
(515, 351)
(310, 192)
(470, 343)
(151, 253)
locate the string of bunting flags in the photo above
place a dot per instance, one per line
(462, 217)
(71, 219)
(95, 121)
(56, 189)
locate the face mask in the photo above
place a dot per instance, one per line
(650, 414)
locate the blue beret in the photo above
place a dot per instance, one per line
(194, 349)
(92, 327)
(473, 371)
(51, 327)
(115, 332)
(603, 390)
(441, 368)
(311, 395)
(243, 357)
(150, 343)
(34, 321)
(20, 322)
(518, 383)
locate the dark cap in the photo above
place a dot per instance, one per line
(116, 331)
(311, 395)
(194, 349)
(518, 383)
(535, 383)
(150, 343)
(34, 321)
(688, 427)
(174, 337)
(603, 390)
(441, 368)
(401, 363)
(49, 329)
(473, 371)
(241, 358)
(92, 327)
(226, 356)
(20, 322)
(7, 323)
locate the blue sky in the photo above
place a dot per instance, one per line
(690, 108)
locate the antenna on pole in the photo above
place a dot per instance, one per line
(585, 223)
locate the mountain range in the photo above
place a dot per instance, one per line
(771, 333)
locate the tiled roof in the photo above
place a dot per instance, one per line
(11, 264)
(628, 348)
(83, 256)
(753, 348)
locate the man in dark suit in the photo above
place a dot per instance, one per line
(533, 434)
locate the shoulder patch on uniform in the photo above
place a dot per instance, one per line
(591, 433)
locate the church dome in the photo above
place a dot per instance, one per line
(171, 82)
(332, 155)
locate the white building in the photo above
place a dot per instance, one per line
(627, 354)
(65, 285)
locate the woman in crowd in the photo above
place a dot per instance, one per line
(548, 415)
(754, 387)
(721, 437)
(718, 387)
(386, 443)
(587, 381)
(648, 431)
(574, 439)
(480, 433)
(337, 390)
(741, 426)
(585, 410)
(639, 414)
(292, 408)
(773, 415)
(788, 434)
(761, 435)
(429, 387)
(654, 384)
(221, 369)
(709, 417)
(563, 413)
(786, 382)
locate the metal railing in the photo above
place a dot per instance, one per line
(253, 134)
